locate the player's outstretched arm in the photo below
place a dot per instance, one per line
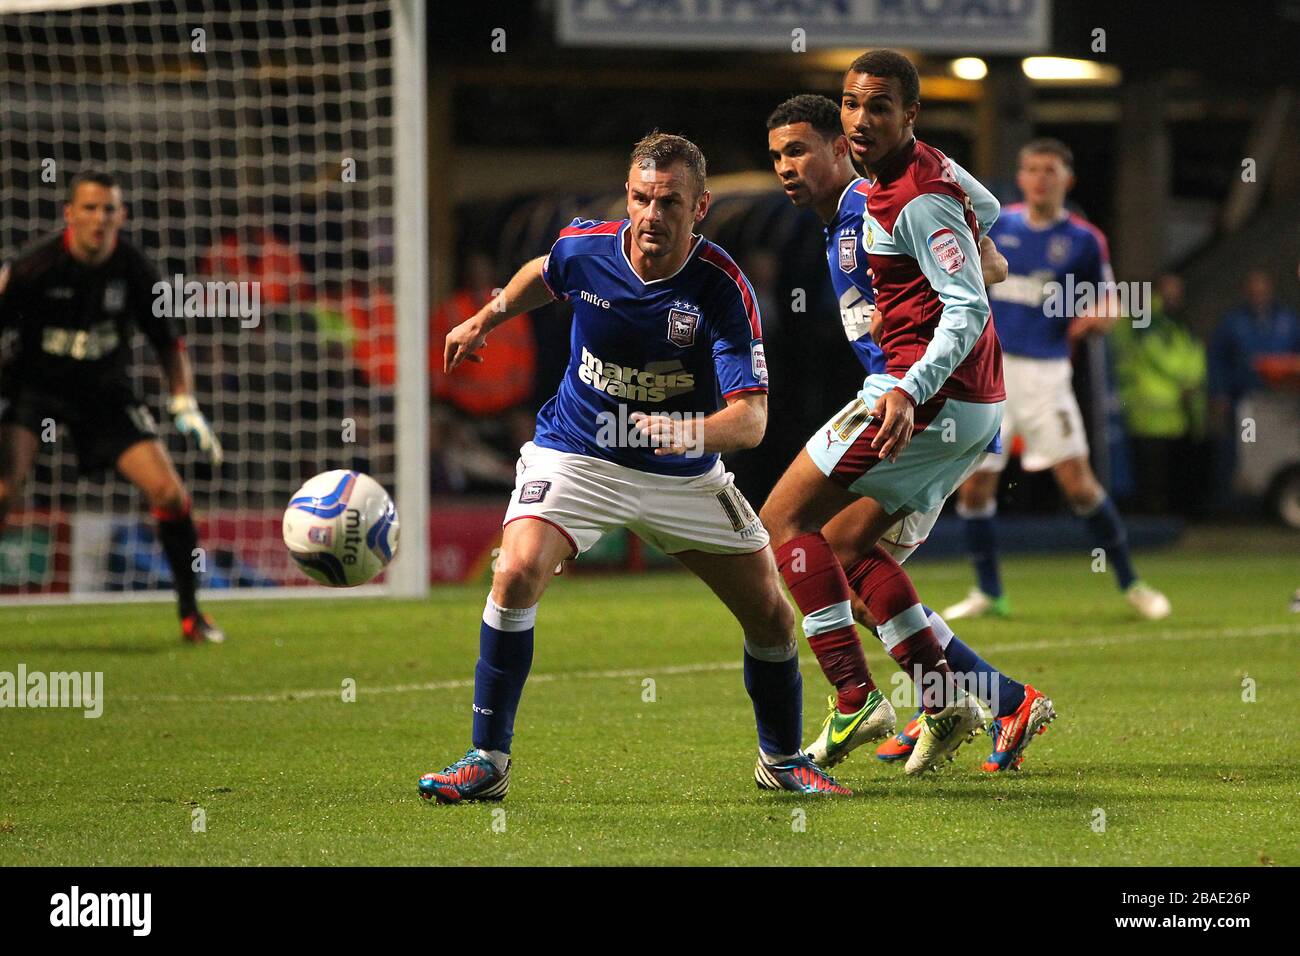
(525, 291)
(740, 425)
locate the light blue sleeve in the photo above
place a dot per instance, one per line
(984, 203)
(932, 229)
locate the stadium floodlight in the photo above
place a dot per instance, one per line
(1061, 69)
(969, 68)
(280, 149)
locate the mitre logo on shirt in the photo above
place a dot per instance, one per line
(947, 251)
(657, 382)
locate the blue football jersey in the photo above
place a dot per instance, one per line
(1070, 251)
(678, 345)
(848, 265)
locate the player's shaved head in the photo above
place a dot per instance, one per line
(660, 150)
(879, 103)
(891, 63)
(94, 214)
(99, 177)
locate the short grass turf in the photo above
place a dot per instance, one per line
(1154, 733)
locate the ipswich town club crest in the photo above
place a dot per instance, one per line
(114, 296)
(1058, 250)
(681, 327)
(533, 492)
(848, 253)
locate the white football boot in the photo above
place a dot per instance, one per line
(1147, 601)
(978, 604)
(943, 733)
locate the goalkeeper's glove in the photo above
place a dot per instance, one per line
(190, 421)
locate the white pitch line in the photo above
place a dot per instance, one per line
(1265, 630)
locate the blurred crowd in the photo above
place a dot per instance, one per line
(1185, 400)
(1188, 404)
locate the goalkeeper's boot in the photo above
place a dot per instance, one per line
(1014, 732)
(943, 733)
(472, 777)
(799, 775)
(899, 746)
(199, 629)
(843, 733)
(978, 604)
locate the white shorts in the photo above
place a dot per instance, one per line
(584, 497)
(905, 536)
(1042, 410)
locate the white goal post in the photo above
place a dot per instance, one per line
(277, 148)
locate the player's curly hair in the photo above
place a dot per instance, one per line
(888, 63)
(820, 113)
(656, 149)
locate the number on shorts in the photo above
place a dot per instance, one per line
(737, 509)
(1067, 426)
(851, 419)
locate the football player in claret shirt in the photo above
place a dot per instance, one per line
(810, 155)
(1046, 244)
(913, 431)
(663, 324)
(75, 300)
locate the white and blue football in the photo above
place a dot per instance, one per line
(341, 528)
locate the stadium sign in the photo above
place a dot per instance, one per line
(967, 26)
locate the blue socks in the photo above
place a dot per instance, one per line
(505, 653)
(1104, 525)
(974, 674)
(982, 543)
(776, 687)
(1107, 530)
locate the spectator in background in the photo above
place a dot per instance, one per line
(1160, 373)
(490, 388)
(254, 254)
(1260, 327)
(481, 413)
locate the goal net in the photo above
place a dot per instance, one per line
(255, 147)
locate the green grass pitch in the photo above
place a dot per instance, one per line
(1154, 733)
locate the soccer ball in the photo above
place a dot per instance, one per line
(341, 528)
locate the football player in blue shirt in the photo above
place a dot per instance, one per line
(811, 158)
(1045, 244)
(665, 329)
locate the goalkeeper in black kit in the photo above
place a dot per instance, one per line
(74, 301)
